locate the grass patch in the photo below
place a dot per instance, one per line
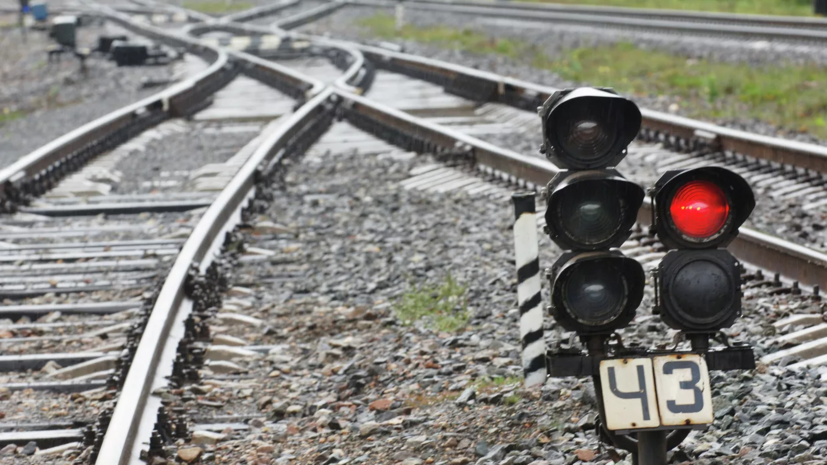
(444, 306)
(763, 7)
(462, 39)
(789, 96)
(217, 7)
(8, 115)
(487, 384)
(420, 401)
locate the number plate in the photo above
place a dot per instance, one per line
(668, 390)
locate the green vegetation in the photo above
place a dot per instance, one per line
(444, 306)
(789, 96)
(8, 115)
(764, 7)
(495, 384)
(385, 26)
(419, 400)
(488, 384)
(217, 7)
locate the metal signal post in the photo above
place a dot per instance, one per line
(648, 399)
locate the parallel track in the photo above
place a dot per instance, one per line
(650, 13)
(781, 28)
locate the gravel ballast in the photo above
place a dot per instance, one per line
(345, 380)
(785, 217)
(55, 98)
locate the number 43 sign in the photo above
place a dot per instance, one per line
(669, 390)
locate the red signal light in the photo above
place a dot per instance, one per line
(699, 209)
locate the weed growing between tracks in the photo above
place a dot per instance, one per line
(444, 306)
(217, 7)
(763, 7)
(789, 96)
(463, 39)
(9, 115)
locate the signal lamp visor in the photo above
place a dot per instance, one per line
(700, 290)
(701, 208)
(588, 128)
(597, 293)
(590, 211)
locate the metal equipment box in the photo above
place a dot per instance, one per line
(127, 54)
(40, 12)
(105, 42)
(64, 30)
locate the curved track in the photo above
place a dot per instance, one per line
(166, 347)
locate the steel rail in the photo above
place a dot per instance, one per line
(118, 444)
(484, 86)
(278, 76)
(803, 264)
(796, 262)
(649, 25)
(644, 13)
(350, 78)
(255, 64)
(258, 12)
(308, 16)
(121, 436)
(358, 66)
(489, 87)
(489, 157)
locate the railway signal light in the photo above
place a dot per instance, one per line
(591, 209)
(595, 289)
(701, 208)
(696, 212)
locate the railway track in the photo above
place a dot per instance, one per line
(780, 28)
(725, 148)
(167, 333)
(80, 287)
(644, 13)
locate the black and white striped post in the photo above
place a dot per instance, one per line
(529, 299)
